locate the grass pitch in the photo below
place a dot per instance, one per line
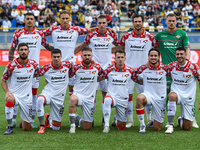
(95, 139)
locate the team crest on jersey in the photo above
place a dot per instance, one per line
(64, 71)
(126, 75)
(30, 70)
(178, 36)
(71, 32)
(161, 73)
(188, 76)
(36, 37)
(145, 41)
(108, 39)
(93, 72)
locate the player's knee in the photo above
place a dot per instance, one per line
(172, 96)
(107, 101)
(56, 126)
(139, 101)
(88, 127)
(40, 100)
(157, 128)
(121, 126)
(26, 128)
(73, 100)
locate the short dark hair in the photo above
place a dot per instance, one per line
(120, 51)
(102, 17)
(22, 44)
(64, 12)
(171, 15)
(56, 51)
(181, 49)
(29, 14)
(154, 49)
(138, 16)
(87, 49)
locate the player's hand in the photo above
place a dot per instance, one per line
(91, 29)
(9, 96)
(111, 30)
(18, 30)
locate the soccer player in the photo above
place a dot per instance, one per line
(57, 76)
(101, 41)
(84, 90)
(137, 44)
(183, 90)
(34, 38)
(19, 74)
(119, 76)
(168, 41)
(154, 83)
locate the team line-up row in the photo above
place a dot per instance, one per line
(136, 45)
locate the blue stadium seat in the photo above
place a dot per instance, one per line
(193, 26)
(13, 22)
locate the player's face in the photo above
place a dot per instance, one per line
(180, 56)
(120, 59)
(29, 21)
(64, 20)
(153, 57)
(171, 22)
(137, 23)
(101, 24)
(23, 52)
(87, 57)
(56, 59)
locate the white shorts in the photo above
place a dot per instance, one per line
(103, 86)
(87, 107)
(121, 108)
(56, 106)
(72, 81)
(158, 107)
(25, 108)
(187, 109)
(131, 86)
(35, 82)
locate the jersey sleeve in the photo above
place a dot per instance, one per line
(8, 71)
(48, 31)
(87, 39)
(14, 41)
(196, 72)
(134, 76)
(122, 41)
(104, 75)
(44, 40)
(80, 30)
(100, 69)
(41, 71)
(71, 70)
(186, 42)
(154, 42)
(115, 38)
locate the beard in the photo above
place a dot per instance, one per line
(23, 57)
(87, 61)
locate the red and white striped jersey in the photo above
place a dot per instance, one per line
(184, 81)
(19, 77)
(137, 47)
(154, 79)
(118, 81)
(57, 77)
(34, 39)
(101, 46)
(86, 79)
(65, 39)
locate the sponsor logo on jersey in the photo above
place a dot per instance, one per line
(23, 37)
(85, 78)
(64, 37)
(113, 75)
(163, 35)
(134, 46)
(31, 43)
(177, 36)
(57, 78)
(171, 44)
(101, 45)
(154, 79)
(23, 78)
(180, 81)
(119, 81)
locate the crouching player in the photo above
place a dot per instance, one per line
(118, 75)
(57, 76)
(84, 90)
(19, 74)
(154, 83)
(183, 90)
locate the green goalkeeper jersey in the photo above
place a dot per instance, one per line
(169, 42)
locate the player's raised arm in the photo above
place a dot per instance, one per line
(188, 54)
(79, 48)
(11, 54)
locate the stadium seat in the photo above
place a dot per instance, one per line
(193, 26)
(13, 22)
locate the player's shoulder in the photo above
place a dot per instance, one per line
(67, 63)
(127, 33)
(32, 61)
(193, 65)
(11, 64)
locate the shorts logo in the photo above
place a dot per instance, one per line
(30, 70)
(145, 41)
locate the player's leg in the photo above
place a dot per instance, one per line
(171, 110)
(9, 114)
(130, 104)
(107, 104)
(72, 112)
(15, 110)
(41, 101)
(141, 101)
(35, 82)
(26, 126)
(194, 124)
(157, 125)
(86, 125)
(71, 85)
(169, 82)
(104, 88)
(55, 124)
(187, 124)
